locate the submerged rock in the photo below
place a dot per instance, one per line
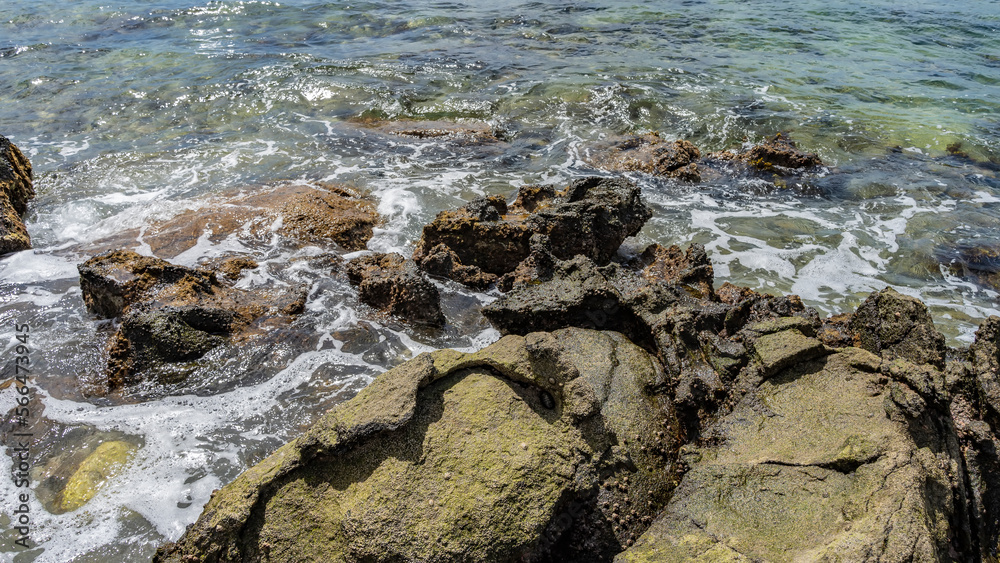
(101, 465)
(172, 313)
(16, 189)
(466, 132)
(321, 214)
(395, 285)
(486, 239)
(652, 154)
(537, 448)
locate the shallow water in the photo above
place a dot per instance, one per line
(132, 111)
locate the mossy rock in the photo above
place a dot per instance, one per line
(811, 466)
(526, 450)
(100, 466)
(898, 326)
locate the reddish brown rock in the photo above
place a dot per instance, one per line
(324, 215)
(233, 267)
(395, 285)
(651, 154)
(16, 189)
(672, 265)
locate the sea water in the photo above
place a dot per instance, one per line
(133, 112)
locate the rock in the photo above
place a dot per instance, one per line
(395, 285)
(443, 262)
(651, 154)
(672, 265)
(898, 326)
(812, 466)
(778, 154)
(984, 356)
(16, 189)
(322, 214)
(578, 294)
(100, 466)
(233, 267)
(977, 262)
(591, 217)
(465, 132)
(543, 447)
(784, 349)
(172, 313)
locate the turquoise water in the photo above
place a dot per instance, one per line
(132, 111)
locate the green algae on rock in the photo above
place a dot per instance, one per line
(813, 465)
(101, 465)
(535, 446)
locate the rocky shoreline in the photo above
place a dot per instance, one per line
(631, 411)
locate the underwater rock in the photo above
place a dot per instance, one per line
(16, 189)
(590, 217)
(464, 132)
(651, 154)
(391, 283)
(172, 313)
(979, 263)
(100, 466)
(537, 448)
(326, 215)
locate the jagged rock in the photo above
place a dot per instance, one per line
(172, 313)
(817, 465)
(591, 217)
(319, 214)
(578, 294)
(672, 265)
(651, 154)
(395, 285)
(442, 261)
(537, 448)
(898, 326)
(16, 189)
(778, 154)
(984, 355)
(700, 341)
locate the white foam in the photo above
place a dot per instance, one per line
(32, 266)
(184, 438)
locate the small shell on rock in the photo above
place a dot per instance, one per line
(547, 400)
